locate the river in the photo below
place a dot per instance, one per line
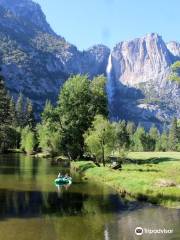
(33, 208)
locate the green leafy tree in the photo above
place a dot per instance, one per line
(99, 139)
(130, 128)
(28, 140)
(75, 114)
(79, 101)
(49, 136)
(99, 96)
(49, 140)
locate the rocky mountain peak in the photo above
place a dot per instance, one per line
(174, 48)
(99, 53)
(36, 62)
(29, 10)
(141, 85)
(141, 59)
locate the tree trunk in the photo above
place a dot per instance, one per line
(103, 159)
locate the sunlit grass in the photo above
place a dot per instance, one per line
(155, 178)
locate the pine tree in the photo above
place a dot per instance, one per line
(5, 116)
(30, 119)
(140, 140)
(154, 136)
(122, 136)
(173, 135)
(20, 111)
(48, 113)
(13, 111)
(163, 143)
(131, 128)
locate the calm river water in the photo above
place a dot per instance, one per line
(33, 208)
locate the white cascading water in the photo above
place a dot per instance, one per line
(109, 84)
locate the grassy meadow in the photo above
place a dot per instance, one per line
(148, 176)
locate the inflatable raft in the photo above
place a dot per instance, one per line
(63, 180)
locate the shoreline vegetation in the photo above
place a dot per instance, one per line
(79, 126)
(149, 176)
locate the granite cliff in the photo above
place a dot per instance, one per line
(140, 73)
(36, 61)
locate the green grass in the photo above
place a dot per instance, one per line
(15, 151)
(151, 176)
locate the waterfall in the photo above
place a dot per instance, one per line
(106, 233)
(109, 84)
(109, 66)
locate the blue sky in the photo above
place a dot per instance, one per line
(88, 22)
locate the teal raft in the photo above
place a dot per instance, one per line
(63, 180)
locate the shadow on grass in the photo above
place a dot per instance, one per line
(85, 167)
(157, 199)
(150, 160)
(142, 170)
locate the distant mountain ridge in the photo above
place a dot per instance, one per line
(142, 89)
(27, 9)
(37, 62)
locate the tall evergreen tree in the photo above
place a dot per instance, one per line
(173, 135)
(20, 111)
(122, 136)
(154, 136)
(5, 117)
(30, 119)
(140, 140)
(131, 128)
(13, 111)
(162, 144)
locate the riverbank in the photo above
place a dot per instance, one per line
(152, 177)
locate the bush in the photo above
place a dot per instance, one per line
(28, 140)
(49, 140)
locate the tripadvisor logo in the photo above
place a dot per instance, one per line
(139, 231)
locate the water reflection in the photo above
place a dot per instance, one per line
(63, 202)
(30, 201)
(62, 187)
(149, 218)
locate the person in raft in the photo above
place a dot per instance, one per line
(66, 176)
(59, 175)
